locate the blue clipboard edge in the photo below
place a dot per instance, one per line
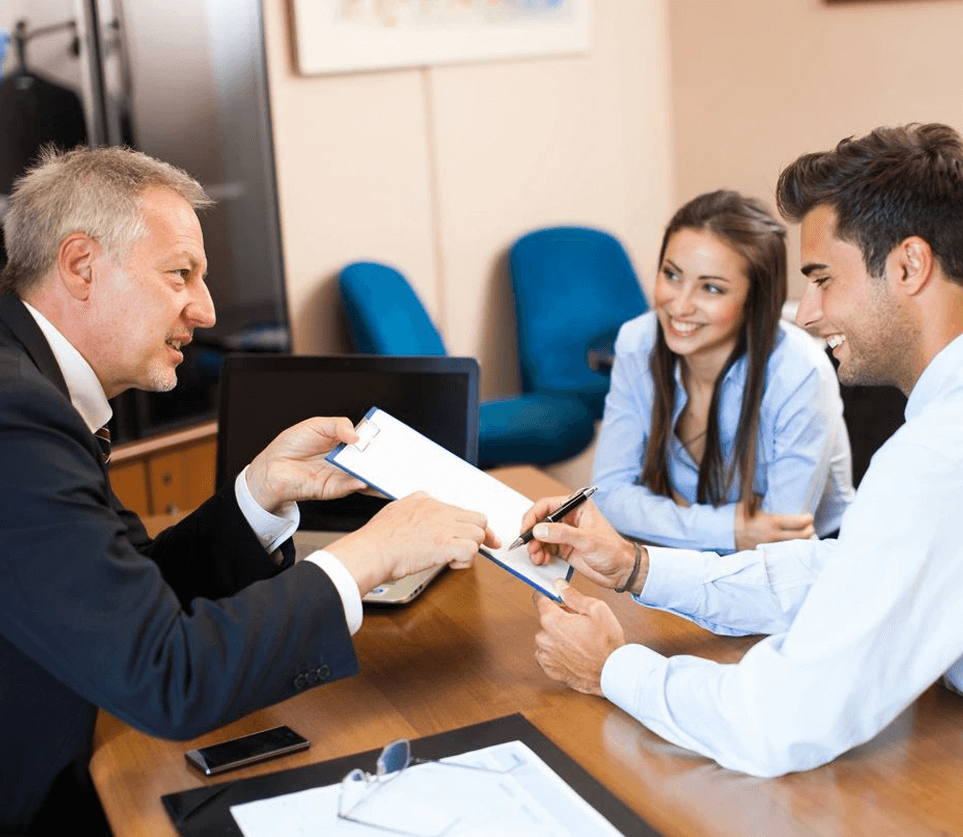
(332, 458)
(555, 597)
(333, 453)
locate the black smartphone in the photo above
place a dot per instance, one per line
(240, 752)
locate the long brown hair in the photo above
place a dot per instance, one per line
(750, 229)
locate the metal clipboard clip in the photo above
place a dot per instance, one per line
(366, 431)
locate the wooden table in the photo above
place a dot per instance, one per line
(463, 653)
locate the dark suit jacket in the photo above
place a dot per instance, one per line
(175, 636)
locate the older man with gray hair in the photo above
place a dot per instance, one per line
(182, 633)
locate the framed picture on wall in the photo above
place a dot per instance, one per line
(342, 36)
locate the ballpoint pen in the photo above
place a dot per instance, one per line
(573, 502)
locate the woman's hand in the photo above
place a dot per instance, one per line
(765, 527)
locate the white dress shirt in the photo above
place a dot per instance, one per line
(88, 397)
(860, 627)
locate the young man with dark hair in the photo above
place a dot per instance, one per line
(858, 627)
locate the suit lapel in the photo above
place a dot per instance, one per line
(19, 326)
(24, 329)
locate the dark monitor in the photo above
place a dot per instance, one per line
(261, 395)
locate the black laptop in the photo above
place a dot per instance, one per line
(262, 394)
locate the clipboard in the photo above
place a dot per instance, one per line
(205, 812)
(397, 460)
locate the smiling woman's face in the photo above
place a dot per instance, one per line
(700, 295)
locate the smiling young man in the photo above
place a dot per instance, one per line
(858, 627)
(182, 633)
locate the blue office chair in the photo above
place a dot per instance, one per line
(574, 287)
(385, 316)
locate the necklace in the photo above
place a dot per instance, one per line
(696, 437)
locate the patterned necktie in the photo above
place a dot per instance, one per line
(103, 439)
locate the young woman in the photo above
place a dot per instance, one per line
(723, 426)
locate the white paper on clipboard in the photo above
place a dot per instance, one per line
(398, 460)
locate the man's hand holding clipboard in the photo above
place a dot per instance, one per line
(396, 460)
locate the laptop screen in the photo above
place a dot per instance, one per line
(261, 395)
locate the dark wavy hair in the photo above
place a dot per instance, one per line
(746, 226)
(885, 187)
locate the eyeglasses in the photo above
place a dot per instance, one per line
(359, 786)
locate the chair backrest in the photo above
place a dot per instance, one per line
(385, 315)
(872, 414)
(572, 285)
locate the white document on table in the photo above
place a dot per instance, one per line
(397, 460)
(515, 795)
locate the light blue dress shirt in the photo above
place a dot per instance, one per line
(802, 459)
(860, 626)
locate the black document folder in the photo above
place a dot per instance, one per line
(205, 812)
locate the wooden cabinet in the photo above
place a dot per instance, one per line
(167, 473)
(129, 481)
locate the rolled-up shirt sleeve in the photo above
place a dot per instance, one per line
(753, 592)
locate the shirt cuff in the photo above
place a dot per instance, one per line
(271, 529)
(675, 579)
(625, 674)
(716, 526)
(344, 583)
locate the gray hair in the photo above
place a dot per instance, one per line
(96, 191)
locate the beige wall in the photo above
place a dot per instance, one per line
(438, 170)
(755, 83)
